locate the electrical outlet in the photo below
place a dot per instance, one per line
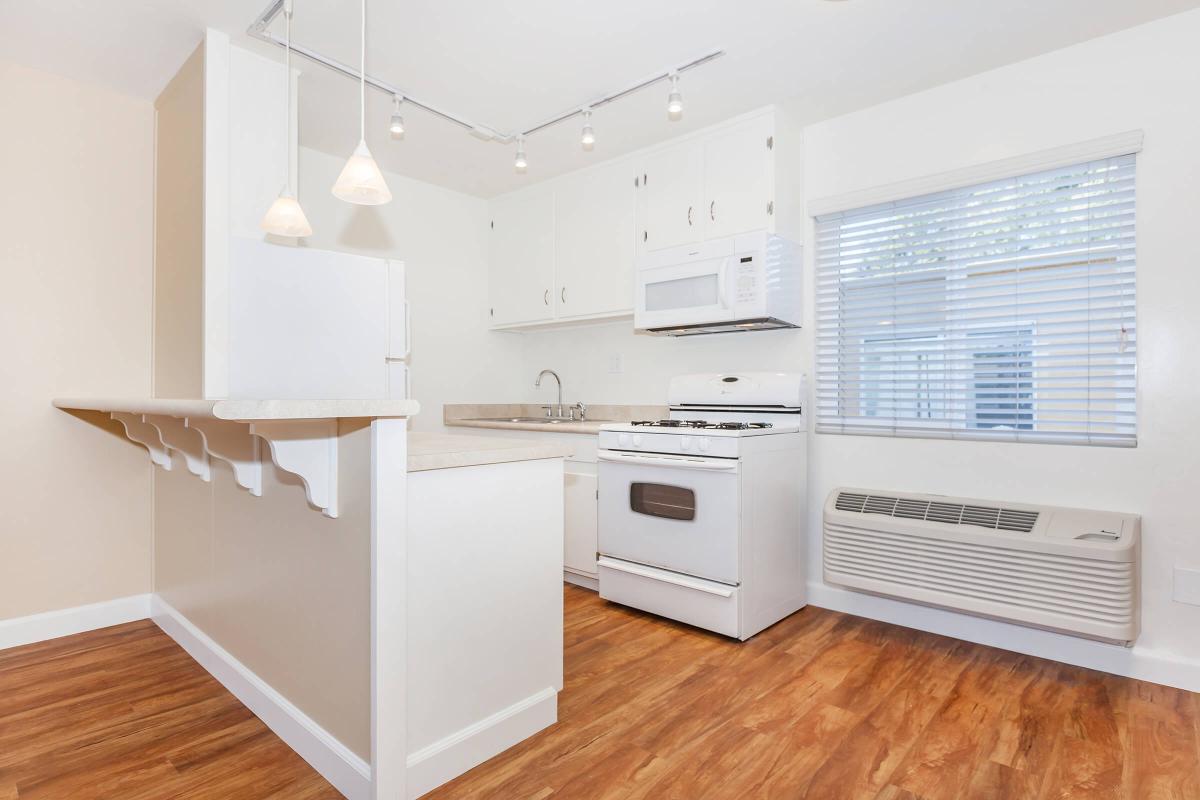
(1187, 586)
(616, 364)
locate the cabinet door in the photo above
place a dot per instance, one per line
(595, 216)
(737, 179)
(579, 529)
(521, 273)
(671, 194)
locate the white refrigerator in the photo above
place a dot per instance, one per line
(307, 323)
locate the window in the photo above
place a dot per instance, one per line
(1002, 310)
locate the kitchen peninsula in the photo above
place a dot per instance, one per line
(389, 603)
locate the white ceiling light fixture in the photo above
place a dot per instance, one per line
(285, 217)
(674, 100)
(361, 181)
(588, 137)
(520, 164)
(396, 126)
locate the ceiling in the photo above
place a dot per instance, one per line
(511, 63)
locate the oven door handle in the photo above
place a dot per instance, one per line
(667, 461)
(659, 575)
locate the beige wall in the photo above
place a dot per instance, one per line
(179, 233)
(279, 585)
(75, 255)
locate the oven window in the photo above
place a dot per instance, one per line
(660, 500)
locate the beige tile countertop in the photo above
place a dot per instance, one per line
(499, 416)
(448, 450)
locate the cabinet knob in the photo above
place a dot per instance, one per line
(546, 297)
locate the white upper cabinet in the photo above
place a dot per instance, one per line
(715, 184)
(738, 178)
(672, 192)
(567, 250)
(521, 271)
(595, 217)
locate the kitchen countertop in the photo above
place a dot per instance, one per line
(243, 410)
(475, 415)
(428, 451)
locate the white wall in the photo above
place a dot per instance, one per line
(441, 235)
(1148, 78)
(76, 216)
(583, 356)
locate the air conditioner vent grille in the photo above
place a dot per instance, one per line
(993, 518)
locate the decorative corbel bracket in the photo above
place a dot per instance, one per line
(308, 449)
(176, 435)
(230, 442)
(146, 435)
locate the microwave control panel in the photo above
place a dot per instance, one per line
(746, 280)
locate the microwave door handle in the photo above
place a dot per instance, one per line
(723, 284)
(669, 462)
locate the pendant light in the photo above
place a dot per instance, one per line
(285, 217)
(361, 182)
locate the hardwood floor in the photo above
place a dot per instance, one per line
(822, 705)
(124, 713)
(825, 705)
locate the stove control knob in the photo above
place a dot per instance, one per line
(685, 442)
(623, 440)
(637, 440)
(703, 444)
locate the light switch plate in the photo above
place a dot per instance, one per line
(1187, 586)
(616, 364)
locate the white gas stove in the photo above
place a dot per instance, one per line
(701, 513)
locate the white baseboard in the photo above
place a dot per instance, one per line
(447, 758)
(585, 581)
(66, 621)
(339, 765)
(1132, 662)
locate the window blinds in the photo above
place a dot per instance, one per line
(1003, 310)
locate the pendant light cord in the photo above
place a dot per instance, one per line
(362, 76)
(287, 85)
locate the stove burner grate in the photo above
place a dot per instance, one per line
(699, 424)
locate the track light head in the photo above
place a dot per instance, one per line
(396, 126)
(520, 164)
(674, 99)
(588, 137)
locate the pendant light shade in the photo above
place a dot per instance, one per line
(285, 217)
(361, 181)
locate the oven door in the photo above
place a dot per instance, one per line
(691, 293)
(674, 512)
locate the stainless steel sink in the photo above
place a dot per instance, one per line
(535, 420)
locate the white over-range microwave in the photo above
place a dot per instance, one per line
(740, 283)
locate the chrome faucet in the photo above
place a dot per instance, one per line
(558, 410)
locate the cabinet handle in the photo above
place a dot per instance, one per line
(689, 215)
(645, 235)
(563, 294)
(712, 210)
(546, 297)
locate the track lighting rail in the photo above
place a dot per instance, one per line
(260, 29)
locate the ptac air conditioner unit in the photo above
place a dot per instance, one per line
(1062, 569)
